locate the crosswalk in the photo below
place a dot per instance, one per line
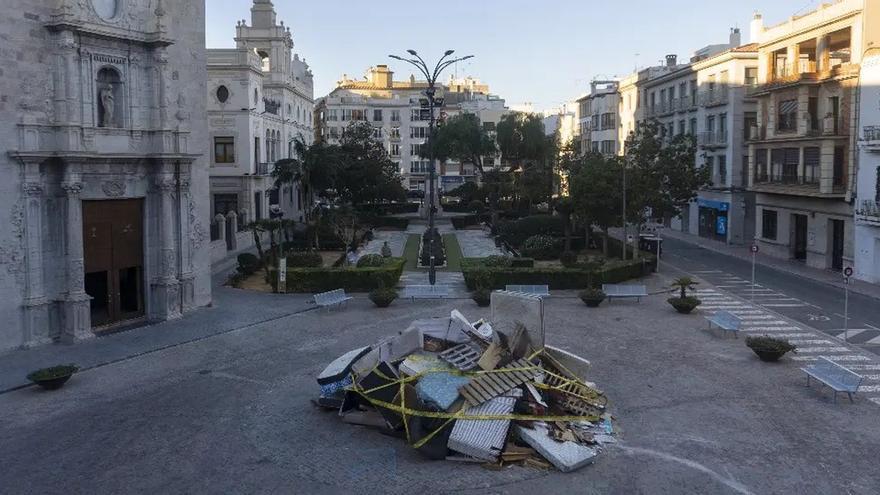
(761, 320)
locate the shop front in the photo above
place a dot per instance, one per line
(714, 219)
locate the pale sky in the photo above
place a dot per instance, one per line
(544, 52)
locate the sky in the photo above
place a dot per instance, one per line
(544, 53)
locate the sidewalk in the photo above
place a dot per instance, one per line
(231, 310)
(792, 267)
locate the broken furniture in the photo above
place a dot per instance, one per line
(488, 392)
(331, 299)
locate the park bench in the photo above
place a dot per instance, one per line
(534, 290)
(333, 298)
(624, 291)
(834, 376)
(426, 292)
(725, 321)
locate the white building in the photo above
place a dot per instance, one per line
(394, 109)
(562, 121)
(103, 179)
(867, 201)
(260, 100)
(598, 117)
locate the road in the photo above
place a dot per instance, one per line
(812, 303)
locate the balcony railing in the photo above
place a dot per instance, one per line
(715, 138)
(806, 71)
(262, 169)
(713, 98)
(786, 179)
(868, 213)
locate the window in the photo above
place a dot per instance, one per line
(608, 147)
(420, 166)
(751, 77)
(332, 115)
(768, 224)
(415, 149)
(608, 121)
(224, 150)
(693, 92)
(787, 119)
(692, 127)
(418, 132)
(596, 146)
(395, 132)
(750, 119)
(256, 97)
(722, 170)
(710, 124)
(722, 124)
(377, 133)
(811, 165)
(761, 172)
(681, 126)
(395, 150)
(224, 203)
(222, 94)
(377, 115)
(395, 116)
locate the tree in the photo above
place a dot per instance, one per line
(464, 139)
(565, 207)
(528, 153)
(596, 193)
(366, 174)
(662, 177)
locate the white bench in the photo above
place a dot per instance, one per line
(613, 291)
(426, 292)
(834, 376)
(533, 290)
(725, 321)
(333, 298)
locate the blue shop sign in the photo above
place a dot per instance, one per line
(721, 226)
(715, 205)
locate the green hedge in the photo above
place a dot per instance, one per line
(389, 209)
(316, 280)
(558, 278)
(389, 222)
(465, 221)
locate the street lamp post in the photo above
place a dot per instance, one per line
(431, 76)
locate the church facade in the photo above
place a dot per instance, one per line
(103, 175)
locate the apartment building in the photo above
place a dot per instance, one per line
(598, 113)
(395, 110)
(867, 201)
(802, 155)
(260, 101)
(725, 114)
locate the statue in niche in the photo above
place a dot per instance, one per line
(108, 104)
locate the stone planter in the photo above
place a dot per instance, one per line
(53, 378)
(684, 306)
(768, 355)
(593, 299)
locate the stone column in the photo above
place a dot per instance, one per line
(160, 59)
(77, 324)
(232, 225)
(792, 59)
(186, 274)
(165, 286)
(823, 53)
(36, 306)
(220, 220)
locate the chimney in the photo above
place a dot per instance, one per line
(671, 60)
(381, 77)
(756, 29)
(735, 38)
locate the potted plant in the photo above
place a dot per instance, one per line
(53, 378)
(684, 304)
(386, 250)
(383, 297)
(770, 349)
(592, 297)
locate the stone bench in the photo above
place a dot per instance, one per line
(725, 321)
(613, 291)
(333, 298)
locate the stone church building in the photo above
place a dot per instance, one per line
(103, 175)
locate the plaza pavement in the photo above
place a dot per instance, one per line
(695, 413)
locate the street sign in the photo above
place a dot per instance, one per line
(755, 249)
(282, 275)
(848, 272)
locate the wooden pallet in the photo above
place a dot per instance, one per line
(487, 386)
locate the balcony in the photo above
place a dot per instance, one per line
(262, 169)
(868, 213)
(714, 98)
(685, 104)
(794, 185)
(712, 139)
(871, 138)
(786, 76)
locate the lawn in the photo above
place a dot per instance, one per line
(411, 252)
(453, 253)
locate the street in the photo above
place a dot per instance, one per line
(807, 301)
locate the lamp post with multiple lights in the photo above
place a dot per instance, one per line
(431, 102)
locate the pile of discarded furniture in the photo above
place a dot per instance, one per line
(486, 392)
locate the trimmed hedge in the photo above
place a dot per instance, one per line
(389, 208)
(304, 259)
(457, 208)
(465, 221)
(516, 232)
(379, 222)
(558, 278)
(316, 280)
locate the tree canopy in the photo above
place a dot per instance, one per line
(463, 138)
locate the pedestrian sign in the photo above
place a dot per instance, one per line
(848, 272)
(755, 249)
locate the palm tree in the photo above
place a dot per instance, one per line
(684, 284)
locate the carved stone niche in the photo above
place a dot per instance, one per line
(110, 98)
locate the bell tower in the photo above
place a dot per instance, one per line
(271, 41)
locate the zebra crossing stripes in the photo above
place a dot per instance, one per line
(842, 359)
(865, 367)
(821, 350)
